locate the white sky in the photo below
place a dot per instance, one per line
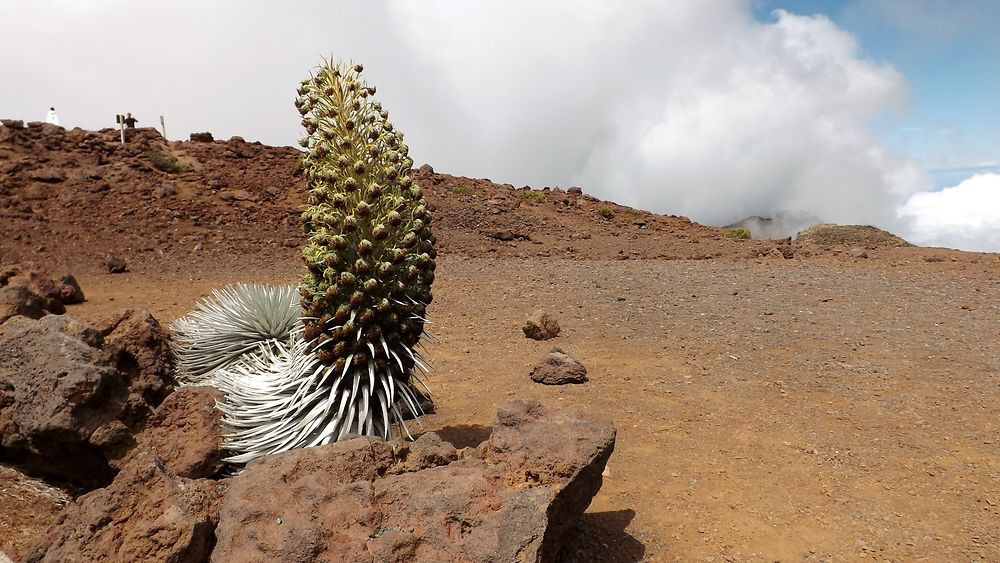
(682, 107)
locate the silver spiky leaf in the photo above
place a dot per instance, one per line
(286, 398)
(235, 324)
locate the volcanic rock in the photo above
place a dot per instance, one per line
(71, 397)
(304, 505)
(147, 514)
(56, 293)
(236, 195)
(776, 254)
(143, 354)
(352, 501)
(564, 450)
(19, 300)
(165, 190)
(541, 326)
(427, 451)
(205, 137)
(558, 368)
(69, 290)
(48, 175)
(185, 433)
(115, 265)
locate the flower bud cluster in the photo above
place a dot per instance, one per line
(370, 255)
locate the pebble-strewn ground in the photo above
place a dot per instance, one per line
(766, 410)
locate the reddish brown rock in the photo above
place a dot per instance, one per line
(205, 137)
(312, 504)
(558, 368)
(54, 402)
(427, 451)
(19, 300)
(565, 449)
(144, 353)
(541, 326)
(48, 175)
(69, 400)
(45, 287)
(352, 501)
(69, 290)
(185, 434)
(146, 514)
(115, 265)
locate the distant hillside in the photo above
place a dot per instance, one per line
(75, 197)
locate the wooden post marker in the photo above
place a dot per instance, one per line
(120, 120)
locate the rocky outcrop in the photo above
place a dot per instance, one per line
(18, 300)
(33, 294)
(147, 514)
(72, 397)
(204, 137)
(185, 433)
(511, 499)
(558, 368)
(361, 501)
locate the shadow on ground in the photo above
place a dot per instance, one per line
(465, 435)
(601, 537)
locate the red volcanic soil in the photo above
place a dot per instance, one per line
(775, 400)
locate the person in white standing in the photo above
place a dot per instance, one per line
(52, 117)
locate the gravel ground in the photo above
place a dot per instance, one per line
(765, 411)
(817, 410)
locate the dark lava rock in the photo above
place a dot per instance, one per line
(71, 397)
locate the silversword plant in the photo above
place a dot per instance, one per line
(348, 362)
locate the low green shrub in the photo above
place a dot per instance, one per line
(532, 196)
(165, 162)
(605, 212)
(738, 233)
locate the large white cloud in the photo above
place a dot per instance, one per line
(678, 107)
(966, 216)
(686, 107)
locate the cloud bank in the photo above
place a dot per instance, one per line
(695, 108)
(965, 216)
(690, 108)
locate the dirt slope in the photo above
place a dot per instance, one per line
(837, 405)
(76, 197)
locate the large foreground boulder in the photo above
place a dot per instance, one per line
(511, 499)
(71, 397)
(533, 479)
